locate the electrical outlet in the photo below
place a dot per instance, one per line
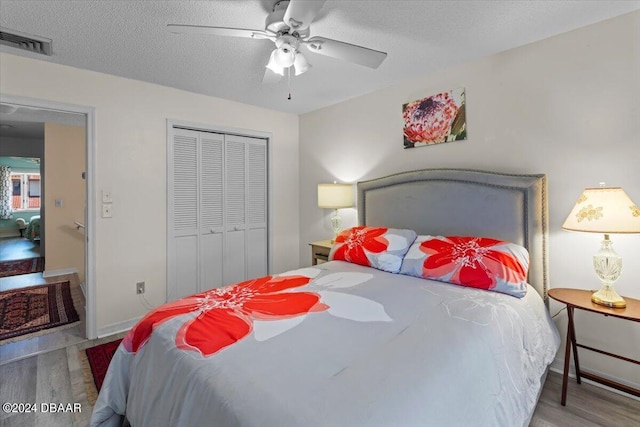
(140, 288)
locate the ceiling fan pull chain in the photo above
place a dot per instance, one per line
(289, 82)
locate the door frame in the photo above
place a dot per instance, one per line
(90, 203)
(202, 127)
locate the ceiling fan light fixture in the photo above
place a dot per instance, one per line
(284, 56)
(301, 64)
(273, 64)
(288, 27)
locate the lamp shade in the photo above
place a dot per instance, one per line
(273, 65)
(335, 196)
(301, 64)
(604, 210)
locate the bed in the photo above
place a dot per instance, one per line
(343, 344)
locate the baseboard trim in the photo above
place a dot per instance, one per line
(63, 272)
(558, 367)
(118, 327)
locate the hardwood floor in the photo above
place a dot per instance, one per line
(52, 377)
(587, 406)
(14, 248)
(56, 377)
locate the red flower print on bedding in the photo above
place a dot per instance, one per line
(476, 262)
(356, 240)
(225, 315)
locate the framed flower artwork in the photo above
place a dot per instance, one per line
(435, 119)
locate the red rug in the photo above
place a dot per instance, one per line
(99, 358)
(27, 310)
(21, 266)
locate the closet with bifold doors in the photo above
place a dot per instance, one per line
(217, 231)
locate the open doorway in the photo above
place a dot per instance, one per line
(20, 216)
(45, 148)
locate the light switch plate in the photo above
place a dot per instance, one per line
(107, 211)
(107, 197)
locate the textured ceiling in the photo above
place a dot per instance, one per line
(130, 39)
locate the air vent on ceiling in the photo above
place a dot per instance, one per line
(25, 41)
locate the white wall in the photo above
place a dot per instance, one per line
(568, 106)
(131, 162)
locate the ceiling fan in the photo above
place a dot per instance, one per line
(288, 26)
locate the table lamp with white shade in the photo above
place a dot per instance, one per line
(607, 210)
(335, 196)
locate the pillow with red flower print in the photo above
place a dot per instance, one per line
(378, 247)
(476, 262)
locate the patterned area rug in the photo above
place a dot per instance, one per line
(21, 266)
(27, 310)
(95, 361)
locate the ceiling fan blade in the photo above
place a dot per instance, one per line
(219, 31)
(270, 77)
(301, 13)
(346, 51)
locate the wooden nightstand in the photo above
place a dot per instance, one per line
(320, 251)
(581, 299)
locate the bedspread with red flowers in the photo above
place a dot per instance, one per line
(225, 315)
(336, 344)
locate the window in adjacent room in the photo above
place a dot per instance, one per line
(26, 191)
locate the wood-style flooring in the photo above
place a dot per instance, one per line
(14, 248)
(56, 377)
(587, 406)
(52, 377)
(46, 367)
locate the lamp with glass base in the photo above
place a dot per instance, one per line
(606, 210)
(335, 196)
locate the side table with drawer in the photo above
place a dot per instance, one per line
(320, 251)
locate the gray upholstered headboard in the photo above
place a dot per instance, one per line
(464, 203)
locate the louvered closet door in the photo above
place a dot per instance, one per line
(256, 208)
(245, 208)
(235, 210)
(183, 231)
(217, 233)
(211, 210)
